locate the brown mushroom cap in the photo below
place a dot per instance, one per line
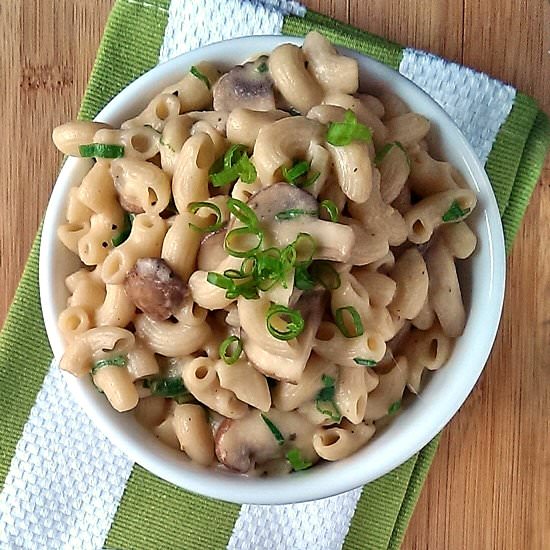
(155, 288)
(242, 443)
(247, 86)
(211, 252)
(279, 197)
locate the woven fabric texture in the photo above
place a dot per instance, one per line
(62, 491)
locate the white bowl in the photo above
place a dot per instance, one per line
(482, 280)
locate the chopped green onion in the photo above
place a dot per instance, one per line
(325, 398)
(234, 274)
(233, 155)
(332, 412)
(293, 112)
(101, 150)
(323, 272)
(302, 279)
(294, 213)
(269, 269)
(235, 343)
(309, 181)
(116, 361)
(341, 324)
(220, 280)
(274, 430)
(117, 240)
(248, 266)
(235, 164)
(262, 67)
(318, 272)
(196, 73)
(288, 257)
(196, 206)
(296, 174)
(343, 133)
(242, 212)
(298, 169)
(331, 208)
(294, 326)
(327, 393)
(172, 386)
(394, 407)
(235, 234)
(305, 248)
(247, 290)
(455, 212)
(364, 362)
(381, 155)
(296, 461)
(225, 177)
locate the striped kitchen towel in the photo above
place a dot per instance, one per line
(63, 484)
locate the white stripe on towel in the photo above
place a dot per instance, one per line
(194, 24)
(307, 526)
(477, 104)
(65, 480)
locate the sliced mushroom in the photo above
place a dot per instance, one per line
(155, 288)
(248, 86)
(333, 241)
(240, 444)
(211, 252)
(279, 197)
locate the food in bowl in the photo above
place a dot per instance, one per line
(268, 260)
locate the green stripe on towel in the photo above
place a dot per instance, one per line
(503, 162)
(529, 171)
(156, 515)
(339, 33)
(25, 356)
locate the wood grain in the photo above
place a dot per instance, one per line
(489, 485)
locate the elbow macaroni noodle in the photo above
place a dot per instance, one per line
(301, 367)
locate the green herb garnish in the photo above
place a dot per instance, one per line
(237, 234)
(117, 240)
(355, 317)
(394, 407)
(331, 209)
(233, 165)
(197, 74)
(302, 279)
(343, 133)
(293, 213)
(262, 67)
(293, 326)
(324, 401)
(172, 386)
(297, 174)
(274, 430)
(101, 150)
(194, 207)
(455, 212)
(234, 344)
(116, 361)
(242, 212)
(296, 461)
(364, 362)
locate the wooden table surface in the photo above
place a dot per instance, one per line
(489, 486)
